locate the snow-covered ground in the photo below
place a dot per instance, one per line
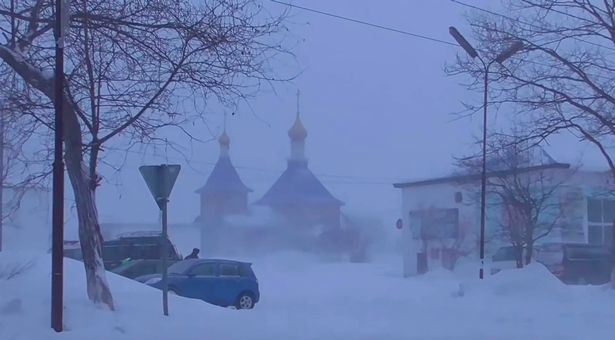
(304, 298)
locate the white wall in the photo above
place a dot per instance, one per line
(442, 196)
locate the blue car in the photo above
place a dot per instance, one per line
(220, 282)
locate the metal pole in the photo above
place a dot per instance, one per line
(57, 263)
(483, 178)
(165, 253)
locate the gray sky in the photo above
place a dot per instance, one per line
(377, 106)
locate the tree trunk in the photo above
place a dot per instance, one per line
(519, 255)
(89, 229)
(528, 253)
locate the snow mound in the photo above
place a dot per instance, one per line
(303, 298)
(534, 278)
(25, 306)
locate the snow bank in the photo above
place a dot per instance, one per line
(304, 298)
(25, 306)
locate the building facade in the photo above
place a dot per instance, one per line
(440, 212)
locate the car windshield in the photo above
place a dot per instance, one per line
(124, 266)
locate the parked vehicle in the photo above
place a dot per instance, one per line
(585, 263)
(140, 245)
(72, 249)
(129, 246)
(220, 282)
(135, 268)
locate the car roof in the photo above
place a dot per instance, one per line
(217, 261)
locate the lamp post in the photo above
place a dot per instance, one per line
(500, 58)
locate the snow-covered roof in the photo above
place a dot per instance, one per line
(298, 186)
(224, 179)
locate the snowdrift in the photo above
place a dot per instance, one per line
(25, 306)
(304, 298)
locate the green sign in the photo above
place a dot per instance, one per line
(160, 180)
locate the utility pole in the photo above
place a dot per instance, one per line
(57, 258)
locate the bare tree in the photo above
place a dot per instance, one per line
(21, 169)
(135, 67)
(523, 185)
(565, 79)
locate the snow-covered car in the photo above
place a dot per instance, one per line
(127, 247)
(136, 245)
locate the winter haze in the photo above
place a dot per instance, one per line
(393, 229)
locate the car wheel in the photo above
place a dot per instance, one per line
(245, 301)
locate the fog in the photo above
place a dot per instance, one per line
(377, 106)
(379, 109)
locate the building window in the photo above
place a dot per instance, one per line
(600, 217)
(435, 223)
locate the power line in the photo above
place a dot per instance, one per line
(391, 29)
(341, 179)
(439, 40)
(528, 23)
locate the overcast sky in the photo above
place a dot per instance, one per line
(377, 105)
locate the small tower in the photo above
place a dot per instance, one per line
(298, 194)
(297, 134)
(224, 193)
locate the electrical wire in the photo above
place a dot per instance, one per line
(342, 179)
(386, 28)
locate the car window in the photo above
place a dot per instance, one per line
(204, 269)
(246, 271)
(115, 252)
(229, 269)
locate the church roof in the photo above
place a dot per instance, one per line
(298, 186)
(297, 132)
(224, 179)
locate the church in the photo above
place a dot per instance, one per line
(306, 212)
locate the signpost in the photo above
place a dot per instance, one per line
(160, 180)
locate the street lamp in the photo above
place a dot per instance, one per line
(500, 58)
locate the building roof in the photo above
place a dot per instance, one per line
(476, 176)
(224, 179)
(298, 186)
(297, 132)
